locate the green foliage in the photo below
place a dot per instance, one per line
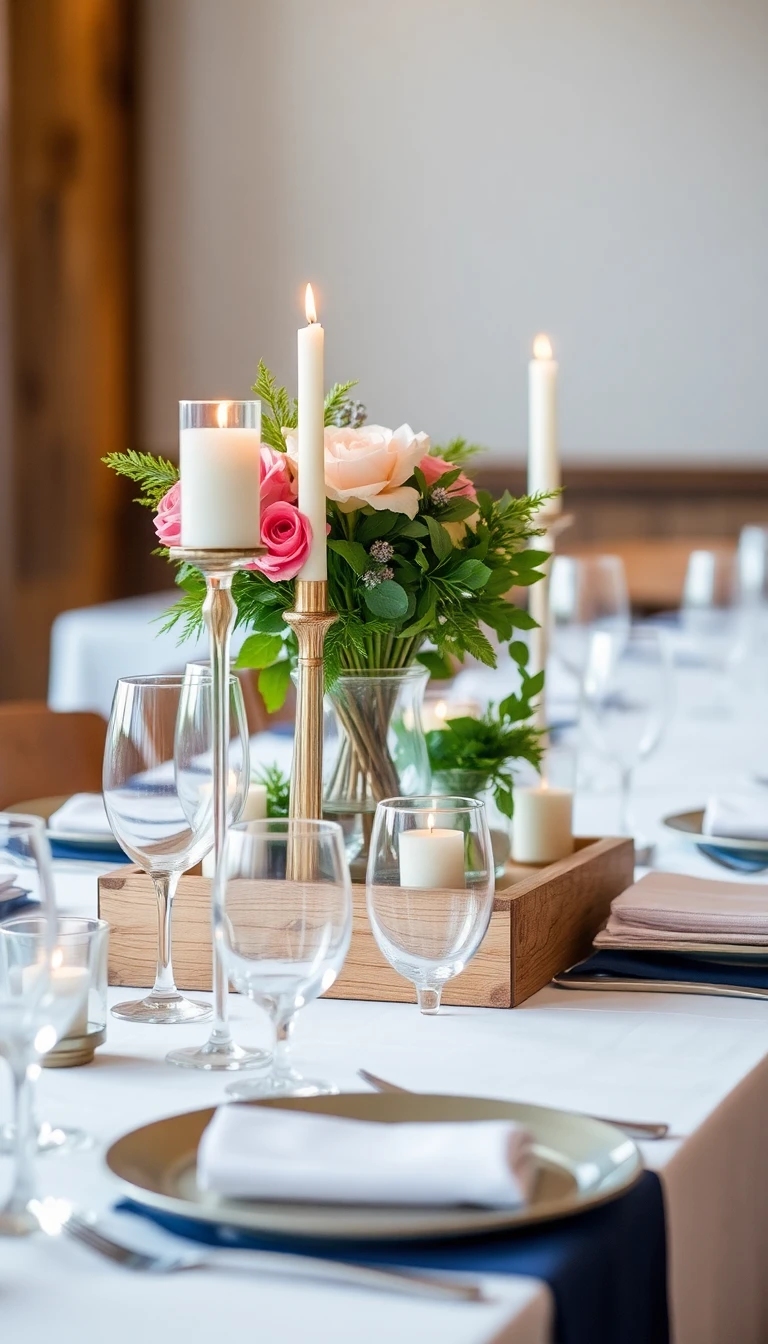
(278, 789)
(155, 475)
(396, 582)
(458, 451)
(492, 744)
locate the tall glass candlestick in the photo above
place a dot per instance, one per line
(219, 565)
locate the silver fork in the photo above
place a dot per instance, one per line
(634, 1129)
(281, 1263)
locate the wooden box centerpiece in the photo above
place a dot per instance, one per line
(543, 921)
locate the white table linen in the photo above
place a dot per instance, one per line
(700, 1063)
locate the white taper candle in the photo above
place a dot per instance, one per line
(311, 444)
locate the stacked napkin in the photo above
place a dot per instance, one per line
(670, 909)
(737, 816)
(250, 1152)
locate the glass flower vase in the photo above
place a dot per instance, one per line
(475, 784)
(374, 748)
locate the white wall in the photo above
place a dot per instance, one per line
(455, 175)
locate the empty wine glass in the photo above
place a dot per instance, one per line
(626, 701)
(283, 924)
(158, 792)
(586, 593)
(710, 617)
(430, 888)
(25, 1000)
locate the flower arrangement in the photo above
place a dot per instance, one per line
(417, 556)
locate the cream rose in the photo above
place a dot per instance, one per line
(369, 465)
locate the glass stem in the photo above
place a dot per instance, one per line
(429, 998)
(281, 1060)
(219, 612)
(165, 885)
(625, 791)
(23, 1178)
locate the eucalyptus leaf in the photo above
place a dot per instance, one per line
(388, 600)
(471, 574)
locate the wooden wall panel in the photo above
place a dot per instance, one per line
(70, 176)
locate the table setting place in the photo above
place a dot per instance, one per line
(452, 1024)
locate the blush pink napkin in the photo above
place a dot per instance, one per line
(670, 908)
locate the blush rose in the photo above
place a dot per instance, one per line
(168, 517)
(370, 465)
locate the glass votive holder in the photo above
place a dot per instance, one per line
(83, 945)
(430, 887)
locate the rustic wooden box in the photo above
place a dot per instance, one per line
(544, 920)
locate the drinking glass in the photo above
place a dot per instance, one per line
(752, 560)
(25, 1000)
(158, 792)
(710, 615)
(430, 888)
(586, 593)
(282, 923)
(626, 701)
(77, 1010)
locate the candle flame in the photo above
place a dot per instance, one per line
(441, 710)
(222, 414)
(309, 305)
(542, 347)
(57, 958)
(431, 822)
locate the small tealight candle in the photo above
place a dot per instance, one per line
(68, 987)
(432, 857)
(541, 825)
(436, 713)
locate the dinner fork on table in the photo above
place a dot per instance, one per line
(279, 1263)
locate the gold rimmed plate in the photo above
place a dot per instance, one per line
(85, 840)
(689, 824)
(582, 1162)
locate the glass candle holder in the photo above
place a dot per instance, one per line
(430, 887)
(220, 471)
(81, 955)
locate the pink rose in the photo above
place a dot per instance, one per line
(168, 517)
(435, 467)
(369, 465)
(277, 483)
(287, 535)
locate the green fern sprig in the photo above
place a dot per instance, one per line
(283, 410)
(155, 475)
(335, 398)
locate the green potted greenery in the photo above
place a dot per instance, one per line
(476, 757)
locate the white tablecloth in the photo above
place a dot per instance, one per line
(699, 1063)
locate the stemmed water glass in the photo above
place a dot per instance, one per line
(586, 593)
(710, 616)
(158, 793)
(282, 924)
(26, 1004)
(430, 886)
(626, 702)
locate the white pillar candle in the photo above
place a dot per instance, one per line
(541, 825)
(432, 858)
(256, 803)
(543, 453)
(311, 438)
(220, 473)
(68, 989)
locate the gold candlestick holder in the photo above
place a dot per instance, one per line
(310, 620)
(219, 567)
(553, 523)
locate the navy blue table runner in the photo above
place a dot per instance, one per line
(606, 1268)
(615, 964)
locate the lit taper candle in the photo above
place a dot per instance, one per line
(311, 441)
(543, 452)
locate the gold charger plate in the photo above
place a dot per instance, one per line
(582, 1162)
(45, 808)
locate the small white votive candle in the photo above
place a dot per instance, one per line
(68, 987)
(541, 825)
(432, 857)
(256, 803)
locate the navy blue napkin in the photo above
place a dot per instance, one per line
(606, 1268)
(620, 964)
(72, 849)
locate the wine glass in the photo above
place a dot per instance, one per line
(586, 593)
(158, 792)
(430, 888)
(710, 616)
(626, 702)
(283, 923)
(25, 1000)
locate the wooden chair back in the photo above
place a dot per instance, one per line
(44, 754)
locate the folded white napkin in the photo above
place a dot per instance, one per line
(252, 1153)
(670, 908)
(737, 816)
(83, 813)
